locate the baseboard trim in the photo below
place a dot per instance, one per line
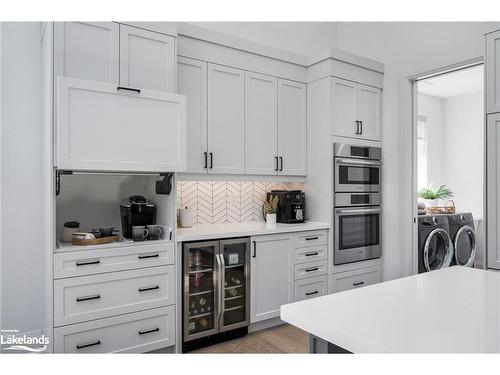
(254, 327)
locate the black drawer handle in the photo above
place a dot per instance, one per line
(311, 238)
(128, 89)
(87, 263)
(88, 298)
(311, 293)
(358, 283)
(149, 331)
(312, 269)
(148, 256)
(98, 342)
(149, 288)
(311, 254)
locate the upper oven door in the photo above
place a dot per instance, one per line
(353, 175)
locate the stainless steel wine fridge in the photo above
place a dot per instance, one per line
(216, 286)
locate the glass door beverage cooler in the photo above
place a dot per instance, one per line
(216, 291)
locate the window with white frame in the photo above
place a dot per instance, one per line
(422, 152)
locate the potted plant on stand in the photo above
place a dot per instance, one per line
(432, 196)
(270, 208)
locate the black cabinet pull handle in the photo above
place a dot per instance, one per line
(98, 342)
(149, 331)
(88, 298)
(276, 160)
(148, 256)
(87, 263)
(281, 163)
(311, 293)
(357, 127)
(206, 160)
(149, 288)
(361, 127)
(254, 255)
(311, 238)
(128, 89)
(358, 283)
(312, 269)
(311, 254)
(211, 160)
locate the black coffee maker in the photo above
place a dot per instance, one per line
(136, 210)
(291, 206)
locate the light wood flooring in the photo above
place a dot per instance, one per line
(281, 339)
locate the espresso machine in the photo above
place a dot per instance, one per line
(291, 206)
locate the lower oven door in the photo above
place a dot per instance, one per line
(358, 234)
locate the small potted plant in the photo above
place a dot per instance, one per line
(270, 208)
(432, 196)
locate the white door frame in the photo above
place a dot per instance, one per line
(408, 157)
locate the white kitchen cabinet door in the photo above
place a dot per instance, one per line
(271, 279)
(369, 112)
(493, 72)
(192, 82)
(344, 108)
(147, 59)
(226, 120)
(103, 128)
(87, 50)
(492, 190)
(261, 124)
(292, 128)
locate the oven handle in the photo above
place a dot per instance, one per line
(357, 162)
(358, 210)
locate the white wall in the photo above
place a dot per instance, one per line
(299, 37)
(406, 48)
(21, 214)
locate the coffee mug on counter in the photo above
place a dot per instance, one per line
(139, 233)
(155, 232)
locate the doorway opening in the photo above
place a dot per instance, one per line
(448, 160)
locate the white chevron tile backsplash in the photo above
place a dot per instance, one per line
(227, 202)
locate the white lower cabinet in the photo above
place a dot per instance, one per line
(355, 279)
(310, 288)
(271, 280)
(310, 269)
(85, 298)
(131, 333)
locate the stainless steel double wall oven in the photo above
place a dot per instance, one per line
(358, 203)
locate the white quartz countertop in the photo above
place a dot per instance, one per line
(453, 310)
(212, 231)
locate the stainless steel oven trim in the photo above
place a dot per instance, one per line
(344, 199)
(352, 188)
(344, 150)
(364, 252)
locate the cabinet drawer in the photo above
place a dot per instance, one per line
(309, 254)
(129, 333)
(355, 279)
(85, 298)
(303, 271)
(313, 238)
(90, 262)
(310, 288)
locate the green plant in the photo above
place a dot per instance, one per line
(443, 192)
(271, 204)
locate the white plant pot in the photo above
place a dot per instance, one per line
(271, 220)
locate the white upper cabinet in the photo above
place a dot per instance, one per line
(292, 128)
(493, 72)
(226, 120)
(87, 50)
(146, 134)
(261, 124)
(271, 276)
(356, 110)
(344, 107)
(147, 59)
(192, 82)
(369, 112)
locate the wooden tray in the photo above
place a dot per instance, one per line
(97, 241)
(448, 208)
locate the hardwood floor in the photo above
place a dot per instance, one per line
(281, 339)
